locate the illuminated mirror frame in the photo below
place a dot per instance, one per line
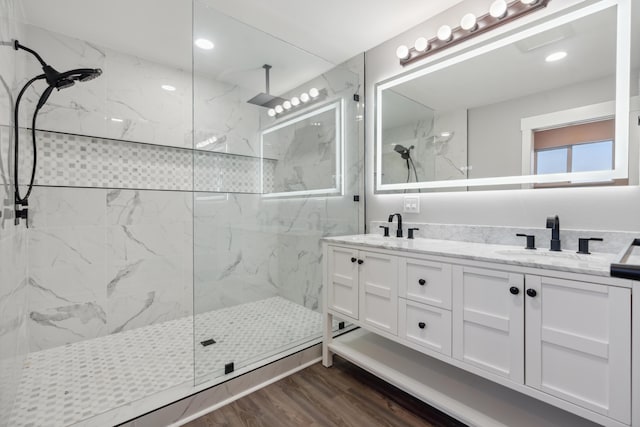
(338, 108)
(623, 81)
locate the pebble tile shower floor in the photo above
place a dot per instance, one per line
(65, 385)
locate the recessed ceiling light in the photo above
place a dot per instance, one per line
(204, 44)
(168, 88)
(556, 56)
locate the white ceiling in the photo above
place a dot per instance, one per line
(160, 30)
(512, 72)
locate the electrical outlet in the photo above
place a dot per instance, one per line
(411, 204)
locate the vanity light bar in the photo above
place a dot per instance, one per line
(499, 14)
(305, 98)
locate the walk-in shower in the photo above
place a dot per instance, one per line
(174, 237)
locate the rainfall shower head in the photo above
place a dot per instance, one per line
(265, 99)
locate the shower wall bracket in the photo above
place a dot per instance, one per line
(228, 368)
(21, 214)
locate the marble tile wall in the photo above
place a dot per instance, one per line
(300, 222)
(127, 101)
(104, 261)
(13, 266)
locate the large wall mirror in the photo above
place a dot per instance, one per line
(548, 106)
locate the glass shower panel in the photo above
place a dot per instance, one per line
(267, 190)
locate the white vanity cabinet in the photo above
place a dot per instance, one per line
(342, 281)
(553, 336)
(363, 285)
(379, 291)
(488, 320)
(578, 340)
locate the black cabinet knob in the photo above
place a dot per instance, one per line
(514, 290)
(360, 261)
(354, 259)
(422, 282)
(422, 325)
(531, 292)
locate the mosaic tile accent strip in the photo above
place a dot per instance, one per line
(81, 161)
(66, 385)
(220, 172)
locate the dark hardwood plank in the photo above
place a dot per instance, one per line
(343, 395)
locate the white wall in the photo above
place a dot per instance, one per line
(590, 208)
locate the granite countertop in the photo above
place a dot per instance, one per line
(595, 264)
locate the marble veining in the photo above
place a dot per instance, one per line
(597, 264)
(614, 241)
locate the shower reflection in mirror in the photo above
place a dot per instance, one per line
(303, 156)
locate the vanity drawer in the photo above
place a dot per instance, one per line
(426, 282)
(427, 326)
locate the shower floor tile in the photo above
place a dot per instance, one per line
(65, 385)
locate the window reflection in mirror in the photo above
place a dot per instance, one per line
(483, 98)
(576, 148)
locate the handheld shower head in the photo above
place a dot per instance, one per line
(404, 152)
(68, 78)
(55, 80)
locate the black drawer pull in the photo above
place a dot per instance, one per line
(422, 325)
(514, 290)
(422, 282)
(354, 259)
(531, 292)
(360, 261)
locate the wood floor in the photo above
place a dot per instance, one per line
(343, 395)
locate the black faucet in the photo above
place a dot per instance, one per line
(554, 224)
(399, 231)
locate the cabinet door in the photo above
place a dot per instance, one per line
(578, 338)
(427, 326)
(425, 281)
(379, 291)
(488, 320)
(342, 281)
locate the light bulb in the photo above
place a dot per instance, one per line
(279, 109)
(498, 9)
(168, 88)
(469, 22)
(286, 105)
(421, 44)
(529, 2)
(204, 44)
(444, 33)
(271, 112)
(304, 97)
(295, 101)
(402, 52)
(313, 92)
(556, 56)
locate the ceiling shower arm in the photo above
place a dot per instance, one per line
(266, 67)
